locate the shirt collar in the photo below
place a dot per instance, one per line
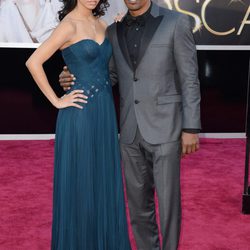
(129, 19)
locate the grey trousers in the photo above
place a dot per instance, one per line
(148, 168)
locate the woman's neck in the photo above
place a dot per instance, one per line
(81, 12)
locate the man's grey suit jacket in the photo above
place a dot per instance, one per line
(162, 95)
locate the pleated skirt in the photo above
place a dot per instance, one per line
(88, 199)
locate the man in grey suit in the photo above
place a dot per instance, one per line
(154, 62)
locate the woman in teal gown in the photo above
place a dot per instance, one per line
(88, 202)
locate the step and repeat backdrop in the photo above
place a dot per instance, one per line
(222, 33)
(32, 21)
(216, 22)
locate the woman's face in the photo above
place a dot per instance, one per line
(89, 4)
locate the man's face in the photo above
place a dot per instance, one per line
(135, 5)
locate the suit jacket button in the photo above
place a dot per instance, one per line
(136, 101)
(135, 79)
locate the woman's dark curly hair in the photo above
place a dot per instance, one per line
(69, 5)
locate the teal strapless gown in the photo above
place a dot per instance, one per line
(88, 204)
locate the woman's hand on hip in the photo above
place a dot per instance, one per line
(72, 100)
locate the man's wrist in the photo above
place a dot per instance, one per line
(191, 130)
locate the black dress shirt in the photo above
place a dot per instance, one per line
(134, 29)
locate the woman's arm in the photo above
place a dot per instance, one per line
(60, 38)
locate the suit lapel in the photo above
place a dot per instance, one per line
(122, 42)
(148, 35)
(146, 38)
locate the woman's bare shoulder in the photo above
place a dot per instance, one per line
(68, 24)
(103, 23)
(63, 33)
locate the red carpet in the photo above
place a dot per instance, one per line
(212, 183)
